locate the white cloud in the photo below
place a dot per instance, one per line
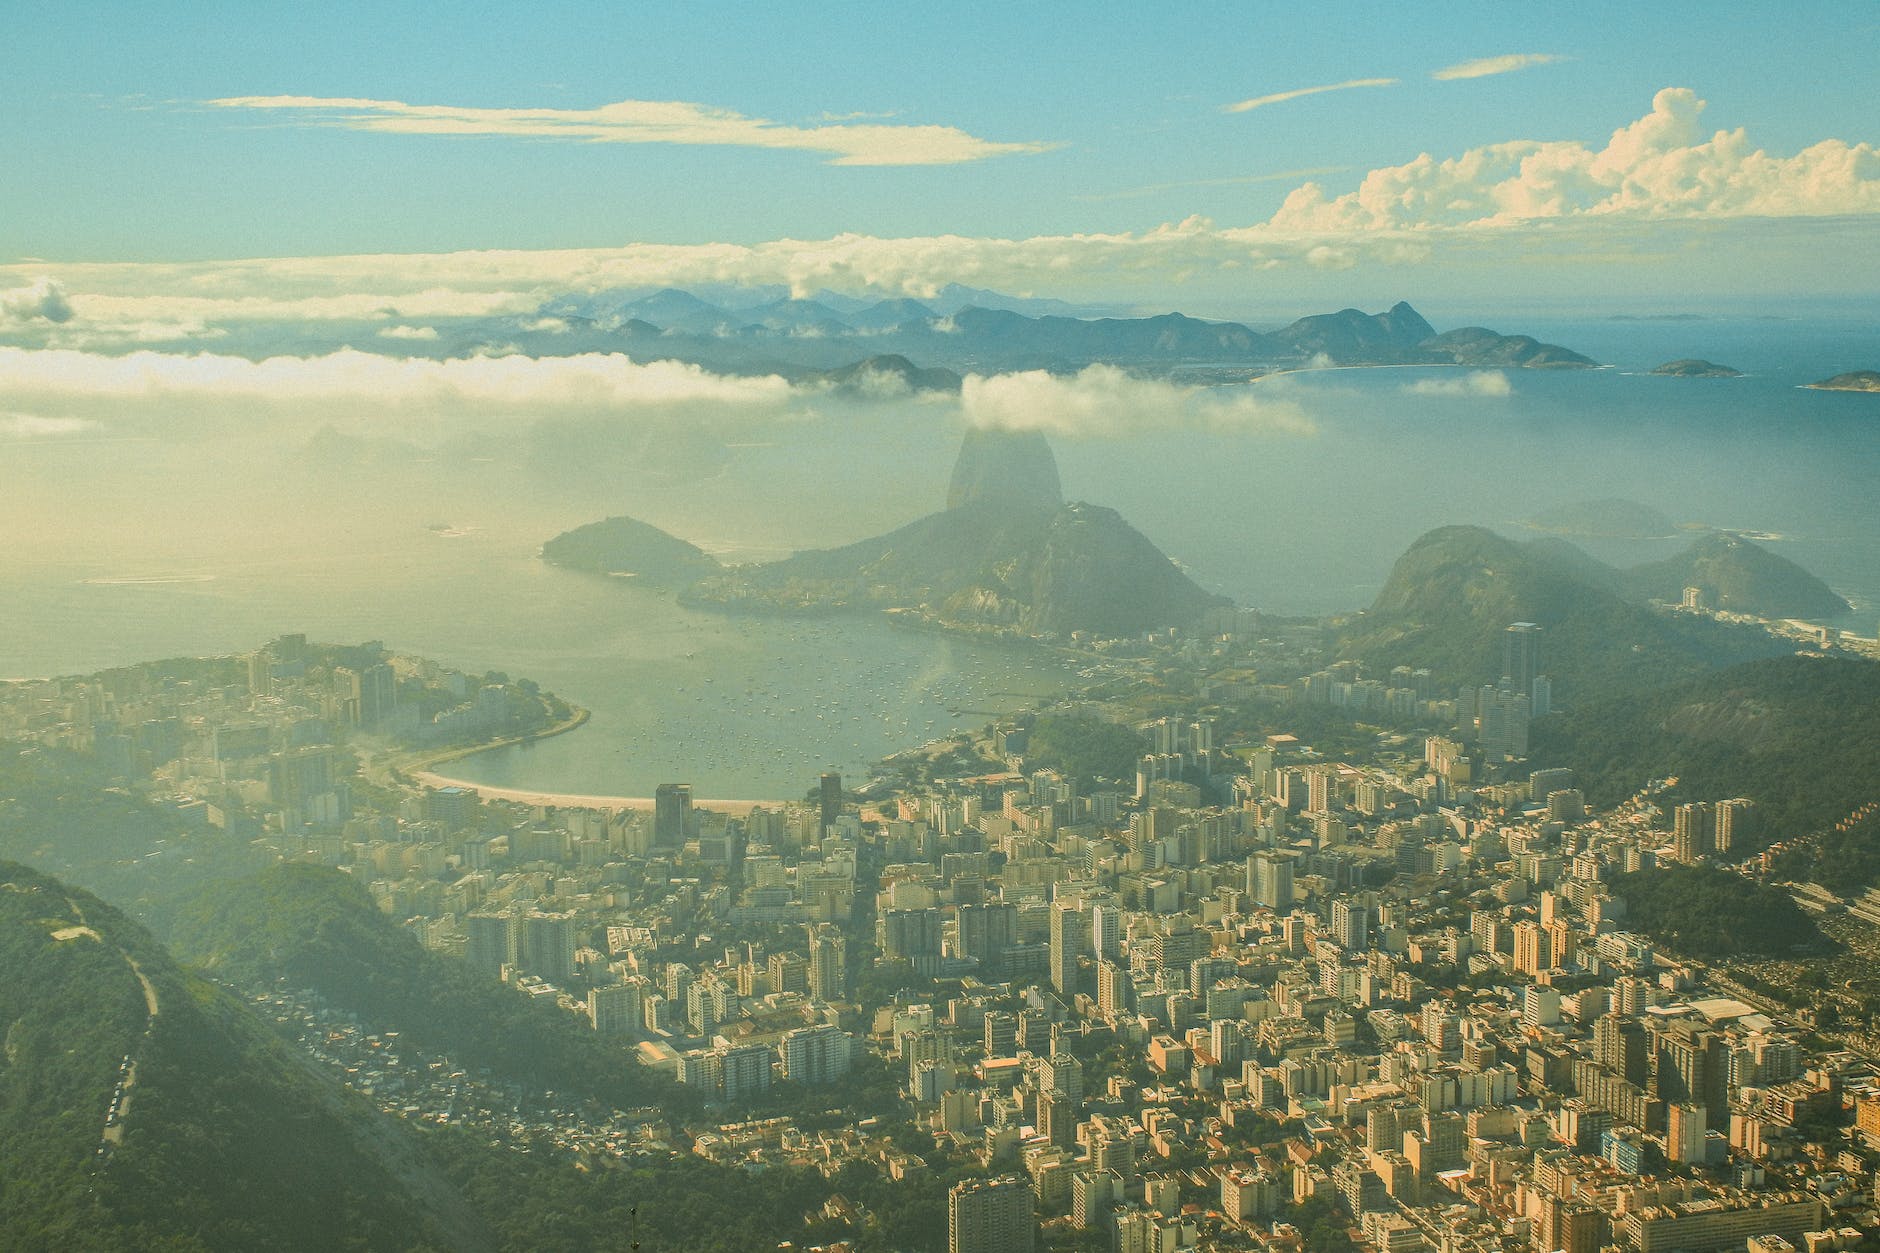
(1474, 383)
(1483, 67)
(1280, 97)
(648, 122)
(1656, 167)
(408, 332)
(1101, 400)
(1654, 203)
(39, 377)
(42, 300)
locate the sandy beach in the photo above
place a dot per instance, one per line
(570, 800)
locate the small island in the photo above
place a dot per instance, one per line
(1697, 368)
(1852, 381)
(628, 548)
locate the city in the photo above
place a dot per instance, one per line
(1257, 995)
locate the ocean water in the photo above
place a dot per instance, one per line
(131, 543)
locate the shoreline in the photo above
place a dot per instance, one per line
(576, 800)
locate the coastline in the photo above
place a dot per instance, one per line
(574, 800)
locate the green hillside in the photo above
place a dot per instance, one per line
(1453, 593)
(1739, 576)
(1798, 735)
(132, 1094)
(318, 930)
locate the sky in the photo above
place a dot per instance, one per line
(172, 164)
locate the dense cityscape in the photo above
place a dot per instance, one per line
(1247, 993)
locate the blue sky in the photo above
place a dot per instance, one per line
(1048, 121)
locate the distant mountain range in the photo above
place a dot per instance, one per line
(808, 339)
(1006, 554)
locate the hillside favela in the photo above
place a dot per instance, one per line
(902, 629)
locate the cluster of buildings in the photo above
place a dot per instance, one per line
(1395, 992)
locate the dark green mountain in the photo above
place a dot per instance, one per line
(141, 1108)
(1737, 576)
(893, 370)
(629, 548)
(1351, 336)
(1076, 567)
(1401, 336)
(1452, 594)
(1479, 346)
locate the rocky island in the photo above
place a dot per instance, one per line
(1696, 368)
(1852, 381)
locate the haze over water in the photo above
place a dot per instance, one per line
(216, 541)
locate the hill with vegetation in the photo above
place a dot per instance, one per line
(1739, 576)
(1451, 596)
(132, 1094)
(1007, 554)
(628, 548)
(1696, 368)
(1852, 381)
(317, 930)
(1701, 911)
(1798, 735)
(1401, 336)
(1085, 747)
(1077, 567)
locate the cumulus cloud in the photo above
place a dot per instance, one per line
(1474, 383)
(408, 332)
(1654, 198)
(510, 383)
(1483, 67)
(647, 122)
(1101, 400)
(41, 300)
(1280, 97)
(1656, 168)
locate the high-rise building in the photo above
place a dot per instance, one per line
(1730, 819)
(615, 1008)
(985, 932)
(1693, 832)
(1270, 879)
(990, 1216)
(1106, 929)
(491, 943)
(1001, 1034)
(1351, 925)
(1521, 656)
(819, 1054)
(829, 793)
(547, 947)
(672, 812)
(1533, 948)
(1070, 935)
(828, 964)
